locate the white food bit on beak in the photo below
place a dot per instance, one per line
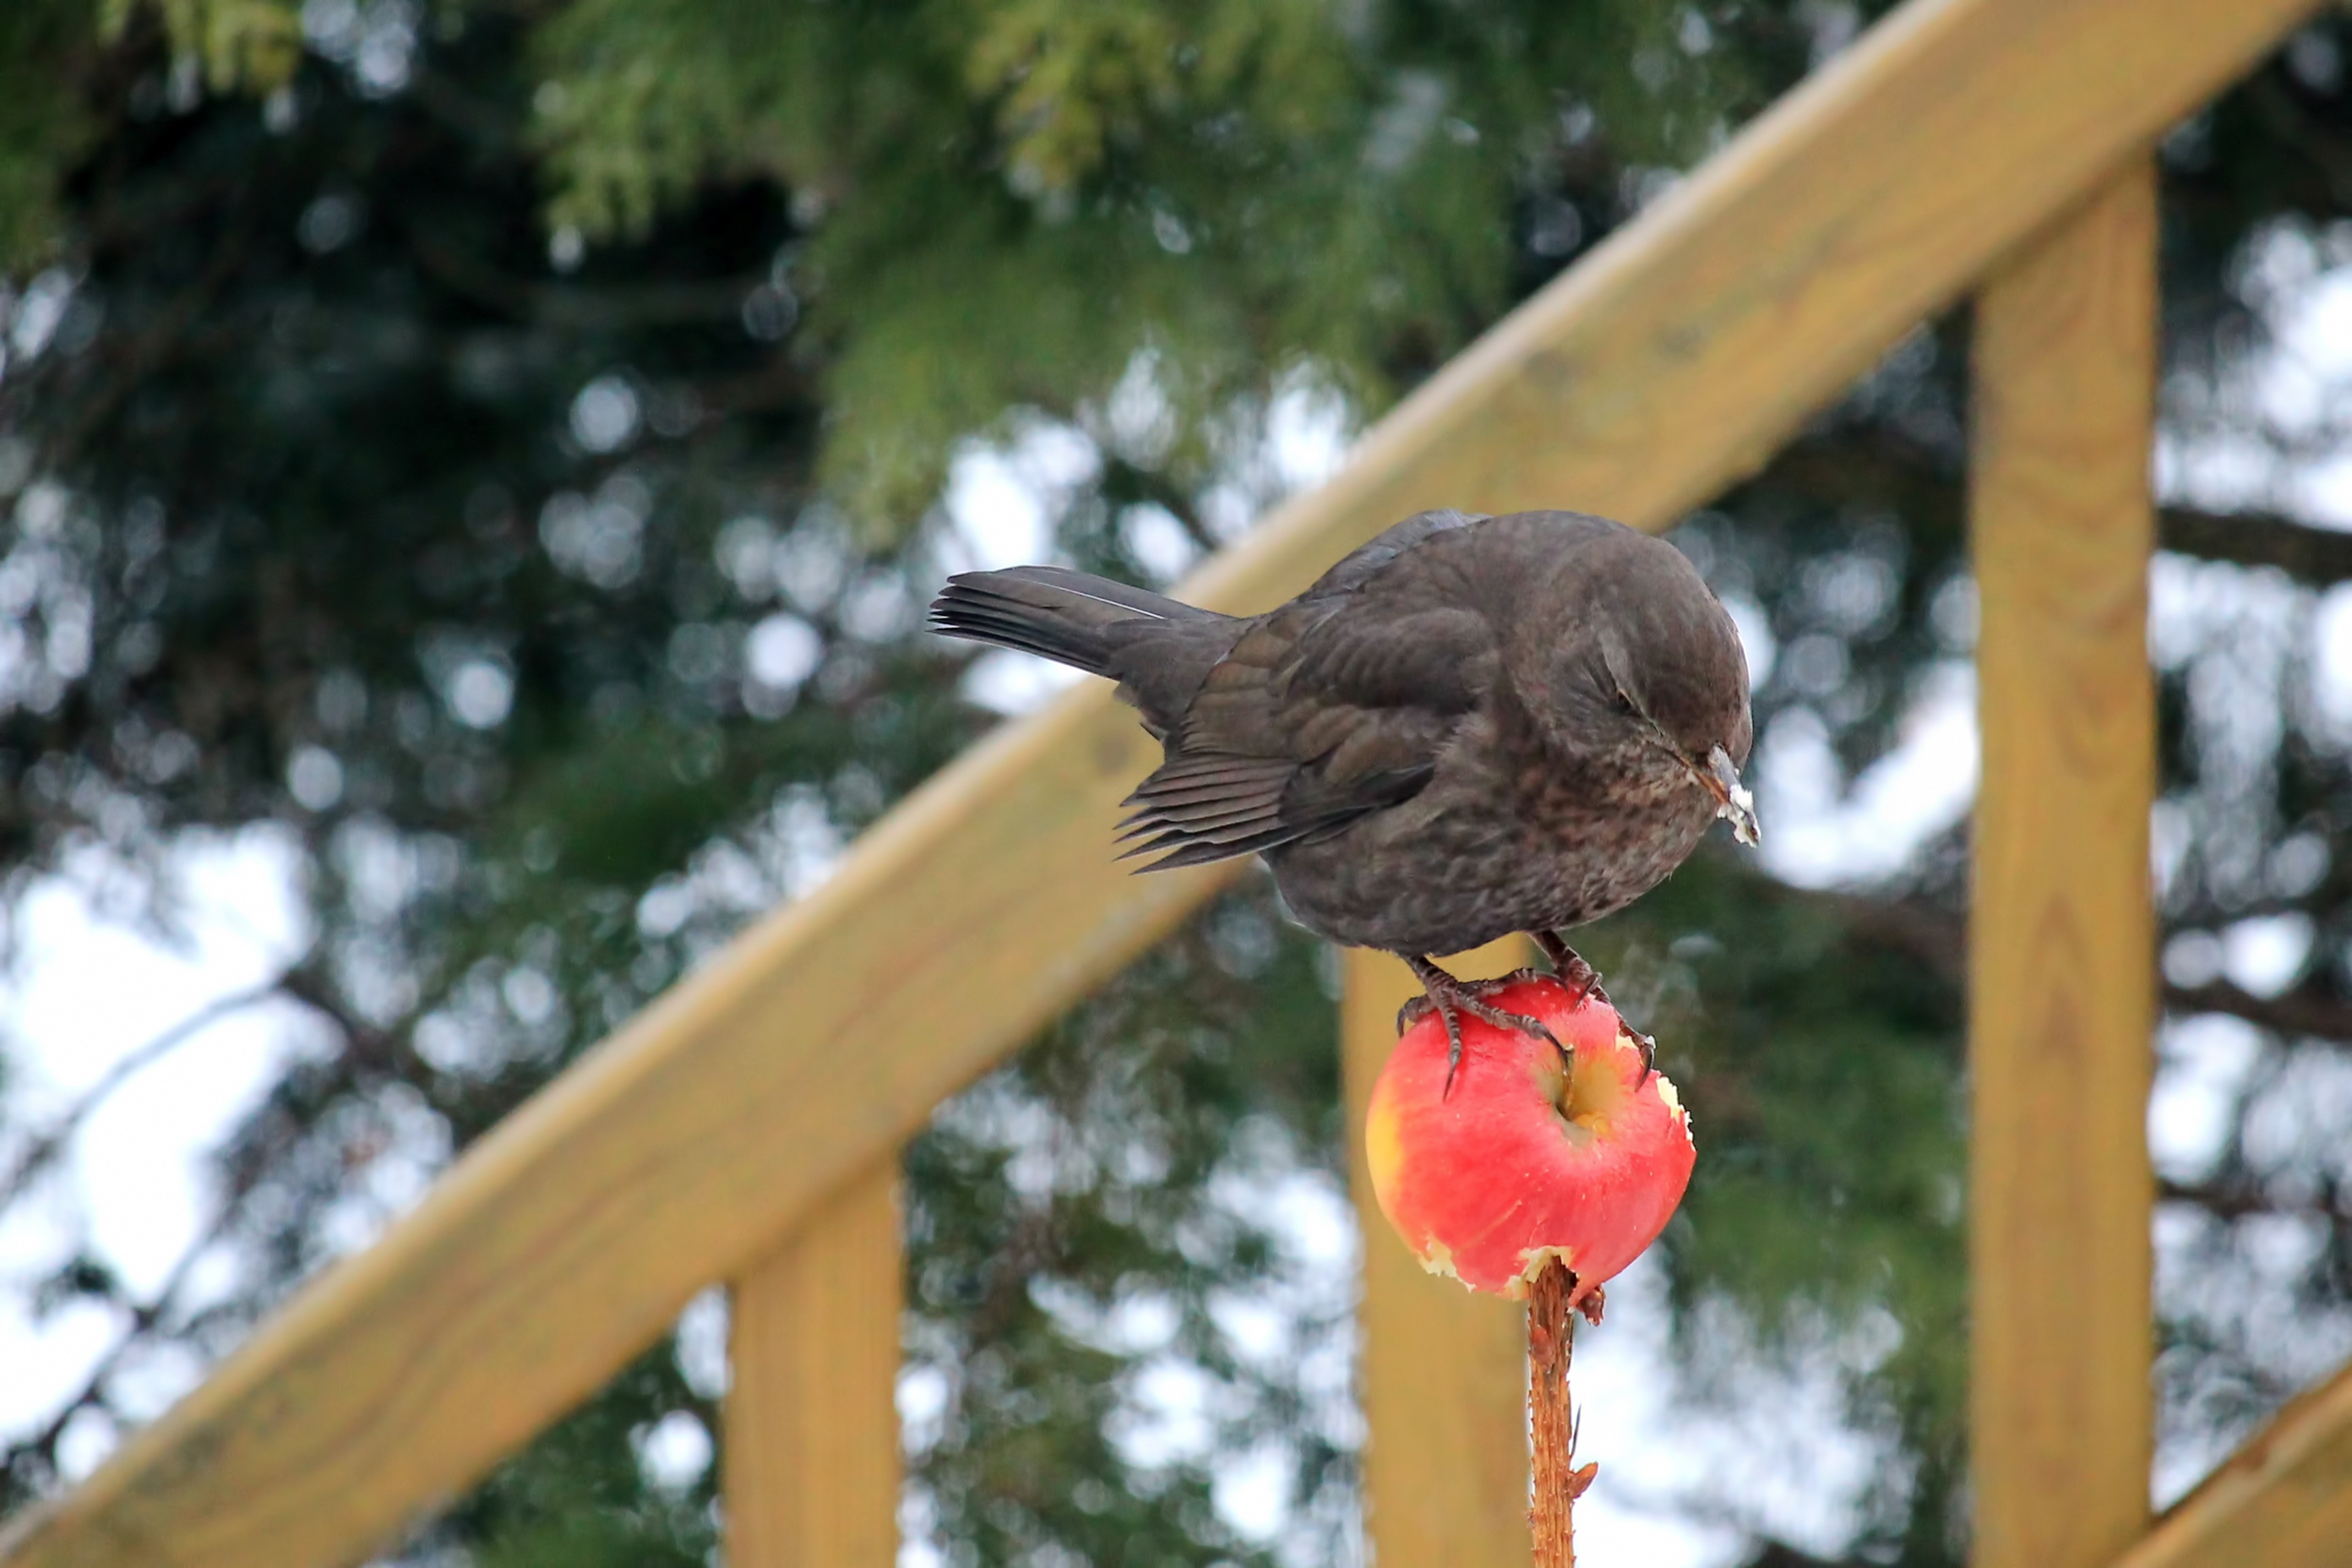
(1740, 810)
(1733, 803)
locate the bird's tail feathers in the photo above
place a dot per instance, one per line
(1067, 616)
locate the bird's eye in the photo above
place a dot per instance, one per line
(1622, 703)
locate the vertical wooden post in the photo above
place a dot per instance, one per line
(811, 1464)
(1444, 1372)
(2061, 992)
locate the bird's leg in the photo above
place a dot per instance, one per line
(1582, 980)
(1453, 998)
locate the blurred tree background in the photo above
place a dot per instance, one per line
(505, 443)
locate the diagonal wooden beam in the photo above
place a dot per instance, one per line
(1661, 368)
(2283, 1500)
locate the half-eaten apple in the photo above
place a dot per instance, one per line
(1527, 1158)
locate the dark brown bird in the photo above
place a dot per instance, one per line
(1469, 727)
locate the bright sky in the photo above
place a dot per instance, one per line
(86, 990)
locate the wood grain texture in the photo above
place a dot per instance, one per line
(1444, 1373)
(2283, 1500)
(1664, 365)
(2061, 937)
(810, 1462)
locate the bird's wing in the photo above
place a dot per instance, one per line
(1197, 807)
(1413, 620)
(1368, 559)
(1333, 706)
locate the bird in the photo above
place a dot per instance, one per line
(1471, 726)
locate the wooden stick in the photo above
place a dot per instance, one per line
(1552, 1307)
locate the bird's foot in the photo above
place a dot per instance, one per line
(1649, 1048)
(1582, 981)
(1450, 998)
(1581, 978)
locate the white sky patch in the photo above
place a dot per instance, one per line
(1002, 499)
(1167, 1416)
(1309, 430)
(2217, 472)
(1252, 1489)
(2201, 1065)
(1138, 420)
(1305, 440)
(2266, 954)
(1158, 541)
(1006, 681)
(1793, 1467)
(1757, 643)
(1000, 505)
(88, 990)
(674, 1452)
(1001, 502)
(2302, 386)
(1819, 831)
(2332, 659)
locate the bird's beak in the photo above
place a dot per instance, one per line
(1720, 778)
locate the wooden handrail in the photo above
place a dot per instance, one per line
(1666, 364)
(2283, 1500)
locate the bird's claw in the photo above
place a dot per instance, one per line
(1420, 1007)
(1581, 979)
(1649, 1048)
(1449, 997)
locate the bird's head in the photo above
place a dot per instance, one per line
(1641, 663)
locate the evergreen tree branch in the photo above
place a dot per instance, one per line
(2318, 556)
(579, 308)
(1939, 938)
(1885, 467)
(1128, 482)
(2239, 1196)
(2312, 1011)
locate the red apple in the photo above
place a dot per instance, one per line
(1522, 1161)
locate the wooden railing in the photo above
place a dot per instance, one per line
(745, 1127)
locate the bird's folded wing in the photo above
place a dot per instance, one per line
(1208, 808)
(1375, 555)
(1196, 809)
(1322, 712)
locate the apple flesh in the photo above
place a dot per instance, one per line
(1523, 1160)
